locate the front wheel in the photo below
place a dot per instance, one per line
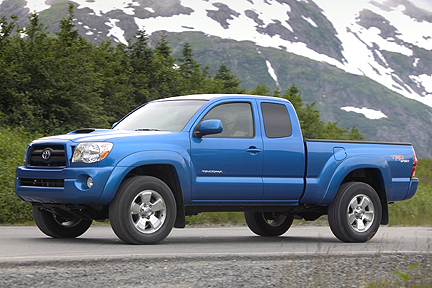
(355, 213)
(268, 223)
(143, 210)
(57, 226)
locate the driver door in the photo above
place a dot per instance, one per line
(228, 165)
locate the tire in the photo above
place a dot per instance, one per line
(268, 223)
(355, 213)
(57, 226)
(143, 210)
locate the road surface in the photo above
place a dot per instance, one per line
(28, 243)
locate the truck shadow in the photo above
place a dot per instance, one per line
(249, 239)
(188, 240)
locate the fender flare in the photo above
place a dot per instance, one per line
(354, 163)
(151, 157)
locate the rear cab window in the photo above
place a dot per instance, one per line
(277, 123)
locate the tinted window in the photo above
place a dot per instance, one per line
(277, 123)
(237, 120)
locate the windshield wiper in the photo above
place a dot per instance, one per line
(146, 129)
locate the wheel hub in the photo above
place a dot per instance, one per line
(359, 212)
(146, 210)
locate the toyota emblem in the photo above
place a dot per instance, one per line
(46, 154)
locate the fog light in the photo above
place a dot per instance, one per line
(89, 182)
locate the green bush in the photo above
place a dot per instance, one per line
(12, 145)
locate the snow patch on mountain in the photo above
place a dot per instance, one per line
(310, 21)
(423, 80)
(424, 4)
(272, 73)
(368, 113)
(35, 5)
(117, 32)
(105, 6)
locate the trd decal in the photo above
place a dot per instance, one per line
(400, 158)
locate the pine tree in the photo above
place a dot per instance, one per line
(191, 76)
(230, 83)
(141, 61)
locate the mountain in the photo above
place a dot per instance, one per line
(366, 63)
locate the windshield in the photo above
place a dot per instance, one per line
(161, 116)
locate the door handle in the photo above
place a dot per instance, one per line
(253, 150)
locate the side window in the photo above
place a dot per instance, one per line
(237, 120)
(277, 123)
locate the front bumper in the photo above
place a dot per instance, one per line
(61, 185)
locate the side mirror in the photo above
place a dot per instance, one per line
(208, 127)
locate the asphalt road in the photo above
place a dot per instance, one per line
(21, 244)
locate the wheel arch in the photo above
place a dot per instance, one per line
(168, 174)
(374, 178)
(372, 170)
(168, 166)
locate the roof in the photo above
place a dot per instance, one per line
(213, 96)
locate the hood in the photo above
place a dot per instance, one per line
(98, 135)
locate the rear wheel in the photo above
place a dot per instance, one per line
(355, 213)
(143, 210)
(57, 226)
(268, 223)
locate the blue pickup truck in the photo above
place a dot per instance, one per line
(184, 155)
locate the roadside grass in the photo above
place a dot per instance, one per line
(216, 218)
(416, 211)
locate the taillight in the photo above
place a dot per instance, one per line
(414, 166)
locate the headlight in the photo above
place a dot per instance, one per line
(91, 152)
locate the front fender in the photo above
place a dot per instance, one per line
(354, 163)
(143, 158)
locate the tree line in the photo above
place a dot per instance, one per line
(54, 83)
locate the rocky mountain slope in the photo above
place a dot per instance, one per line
(365, 62)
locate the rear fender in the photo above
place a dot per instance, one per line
(354, 163)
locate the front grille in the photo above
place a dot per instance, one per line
(47, 155)
(41, 182)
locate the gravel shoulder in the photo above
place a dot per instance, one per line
(297, 271)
